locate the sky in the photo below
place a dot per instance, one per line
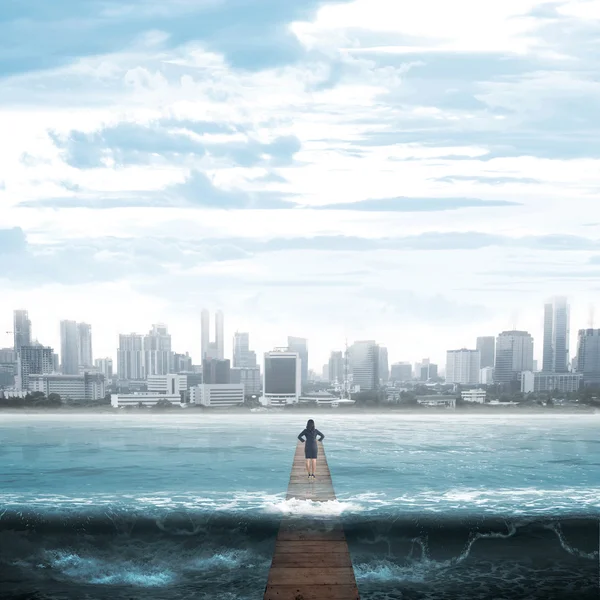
(414, 173)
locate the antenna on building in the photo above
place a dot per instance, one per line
(592, 315)
(515, 319)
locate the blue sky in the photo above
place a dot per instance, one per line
(368, 169)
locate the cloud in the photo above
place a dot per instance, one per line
(416, 204)
(12, 241)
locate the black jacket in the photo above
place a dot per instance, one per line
(311, 435)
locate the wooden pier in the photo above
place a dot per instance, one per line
(311, 559)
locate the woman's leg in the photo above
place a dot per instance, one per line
(308, 465)
(314, 466)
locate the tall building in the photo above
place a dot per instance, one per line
(336, 367)
(249, 377)
(514, 355)
(282, 377)
(215, 371)
(157, 351)
(556, 336)
(401, 371)
(84, 341)
(182, 363)
(220, 335)
(214, 349)
(588, 356)
(487, 350)
(364, 358)
(105, 366)
(33, 360)
(130, 357)
(384, 368)
(69, 348)
(21, 329)
(462, 366)
(242, 355)
(299, 345)
(205, 334)
(428, 371)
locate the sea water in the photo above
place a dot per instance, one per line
(188, 505)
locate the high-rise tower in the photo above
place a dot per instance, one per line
(21, 329)
(556, 336)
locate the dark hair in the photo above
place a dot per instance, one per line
(310, 424)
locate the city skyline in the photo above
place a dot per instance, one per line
(314, 364)
(417, 193)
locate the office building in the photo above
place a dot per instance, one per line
(249, 377)
(143, 399)
(89, 387)
(282, 378)
(514, 354)
(300, 345)
(550, 382)
(242, 355)
(69, 348)
(157, 351)
(182, 363)
(218, 395)
(429, 371)
(105, 366)
(487, 350)
(401, 371)
(556, 336)
(462, 366)
(588, 356)
(364, 359)
(336, 367)
(130, 357)
(21, 329)
(214, 349)
(215, 371)
(384, 368)
(33, 360)
(172, 383)
(84, 344)
(486, 376)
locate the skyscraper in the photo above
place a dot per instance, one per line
(514, 354)
(282, 377)
(588, 356)
(299, 345)
(21, 329)
(401, 371)
(157, 351)
(69, 348)
(487, 350)
(216, 371)
(336, 367)
(105, 366)
(242, 355)
(33, 360)
(384, 368)
(462, 366)
(205, 333)
(130, 357)
(220, 335)
(364, 358)
(215, 349)
(84, 334)
(556, 336)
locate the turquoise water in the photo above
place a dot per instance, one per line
(114, 506)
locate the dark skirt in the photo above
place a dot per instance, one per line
(311, 450)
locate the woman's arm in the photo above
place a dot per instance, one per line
(300, 436)
(319, 433)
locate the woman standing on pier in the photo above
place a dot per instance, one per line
(311, 449)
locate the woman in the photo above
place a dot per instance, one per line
(311, 449)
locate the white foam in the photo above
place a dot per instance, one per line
(295, 506)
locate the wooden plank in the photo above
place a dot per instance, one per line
(311, 560)
(323, 592)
